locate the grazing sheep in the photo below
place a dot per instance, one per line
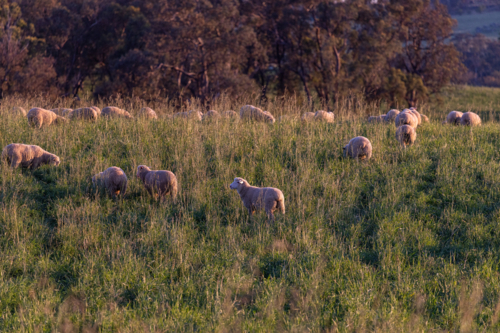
(113, 179)
(38, 117)
(63, 112)
(406, 135)
(147, 113)
(158, 182)
(391, 115)
(470, 119)
(195, 115)
(18, 111)
(406, 118)
(84, 114)
(28, 156)
(250, 112)
(376, 119)
(114, 112)
(324, 116)
(96, 109)
(211, 115)
(307, 117)
(425, 119)
(359, 147)
(453, 118)
(257, 198)
(230, 114)
(415, 113)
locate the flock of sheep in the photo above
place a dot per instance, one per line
(160, 183)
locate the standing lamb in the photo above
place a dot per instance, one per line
(84, 114)
(38, 117)
(256, 198)
(470, 119)
(114, 112)
(324, 116)
(28, 156)
(391, 115)
(158, 182)
(453, 118)
(406, 135)
(406, 118)
(359, 148)
(147, 113)
(18, 111)
(113, 179)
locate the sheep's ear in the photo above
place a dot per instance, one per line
(241, 182)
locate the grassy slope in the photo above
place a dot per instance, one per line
(469, 22)
(407, 241)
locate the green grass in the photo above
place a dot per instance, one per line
(409, 241)
(469, 23)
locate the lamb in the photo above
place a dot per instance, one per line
(324, 116)
(250, 112)
(470, 119)
(257, 198)
(425, 119)
(391, 115)
(211, 115)
(359, 148)
(453, 118)
(28, 156)
(18, 111)
(406, 118)
(406, 135)
(307, 117)
(158, 182)
(113, 179)
(84, 113)
(147, 113)
(114, 112)
(38, 117)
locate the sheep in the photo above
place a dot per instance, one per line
(425, 119)
(229, 115)
(211, 115)
(97, 110)
(406, 135)
(84, 113)
(18, 111)
(307, 117)
(391, 115)
(359, 148)
(147, 113)
(114, 112)
(195, 115)
(415, 113)
(113, 179)
(406, 118)
(256, 198)
(38, 117)
(453, 118)
(28, 156)
(250, 112)
(158, 182)
(324, 116)
(376, 119)
(63, 112)
(470, 119)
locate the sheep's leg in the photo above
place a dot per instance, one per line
(270, 216)
(15, 162)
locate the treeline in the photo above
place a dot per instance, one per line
(397, 51)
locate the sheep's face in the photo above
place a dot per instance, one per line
(54, 160)
(237, 183)
(141, 169)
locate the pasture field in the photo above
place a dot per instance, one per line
(408, 241)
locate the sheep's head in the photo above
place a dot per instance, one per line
(344, 150)
(54, 160)
(237, 183)
(142, 169)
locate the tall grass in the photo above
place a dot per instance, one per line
(408, 241)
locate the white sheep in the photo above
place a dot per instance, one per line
(211, 115)
(114, 112)
(470, 119)
(18, 111)
(147, 113)
(113, 179)
(406, 118)
(391, 115)
(38, 117)
(84, 114)
(453, 118)
(324, 116)
(307, 117)
(250, 112)
(256, 198)
(406, 135)
(359, 148)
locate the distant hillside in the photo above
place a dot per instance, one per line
(469, 6)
